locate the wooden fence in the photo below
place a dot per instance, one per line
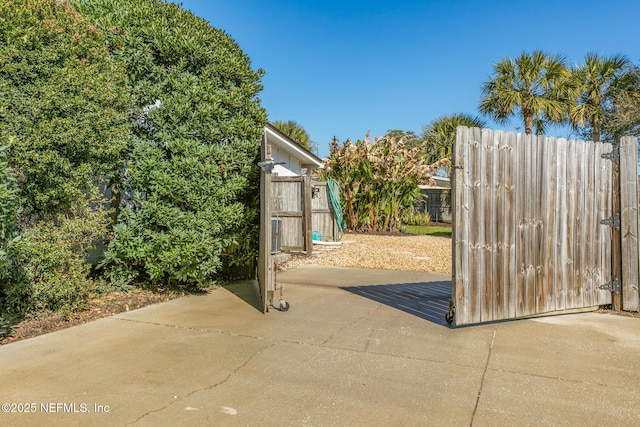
(292, 199)
(527, 233)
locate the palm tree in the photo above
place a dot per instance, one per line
(294, 131)
(439, 136)
(597, 80)
(536, 86)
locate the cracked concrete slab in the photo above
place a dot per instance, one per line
(337, 357)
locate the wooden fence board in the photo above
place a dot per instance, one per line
(578, 235)
(488, 188)
(461, 238)
(477, 231)
(512, 217)
(589, 226)
(501, 252)
(547, 298)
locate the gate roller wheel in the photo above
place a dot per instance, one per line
(449, 317)
(284, 306)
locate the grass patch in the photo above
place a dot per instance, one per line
(428, 230)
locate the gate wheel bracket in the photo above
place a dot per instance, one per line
(451, 313)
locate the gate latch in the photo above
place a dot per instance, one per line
(612, 286)
(612, 220)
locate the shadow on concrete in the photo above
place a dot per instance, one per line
(426, 300)
(248, 291)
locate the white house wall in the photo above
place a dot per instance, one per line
(291, 166)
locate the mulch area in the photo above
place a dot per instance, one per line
(101, 305)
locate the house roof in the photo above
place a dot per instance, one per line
(279, 139)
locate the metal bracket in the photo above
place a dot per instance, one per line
(613, 155)
(612, 286)
(268, 165)
(612, 220)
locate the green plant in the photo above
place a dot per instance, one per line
(8, 207)
(379, 180)
(48, 272)
(192, 175)
(63, 104)
(416, 218)
(65, 119)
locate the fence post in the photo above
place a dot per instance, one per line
(265, 260)
(616, 241)
(629, 224)
(308, 215)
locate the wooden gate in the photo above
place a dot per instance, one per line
(528, 237)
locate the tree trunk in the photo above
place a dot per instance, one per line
(528, 123)
(595, 133)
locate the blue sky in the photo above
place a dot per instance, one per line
(340, 68)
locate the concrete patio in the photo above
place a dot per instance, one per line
(356, 348)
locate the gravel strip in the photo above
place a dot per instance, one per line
(404, 252)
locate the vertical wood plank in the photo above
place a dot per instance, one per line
(561, 278)
(308, 214)
(550, 212)
(589, 226)
(537, 223)
(530, 218)
(477, 230)
(512, 215)
(569, 262)
(629, 223)
(542, 220)
(578, 235)
(521, 220)
(501, 258)
(461, 228)
(489, 245)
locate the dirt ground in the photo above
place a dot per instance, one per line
(102, 305)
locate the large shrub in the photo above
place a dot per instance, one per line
(48, 272)
(8, 208)
(63, 105)
(65, 118)
(192, 180)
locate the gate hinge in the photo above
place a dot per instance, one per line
(612, 220)
(613, 155)
(612, 286)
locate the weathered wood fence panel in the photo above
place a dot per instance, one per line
(323, 219)
(302, 206)
(527, 235)
(629, 223)
(287, 205)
